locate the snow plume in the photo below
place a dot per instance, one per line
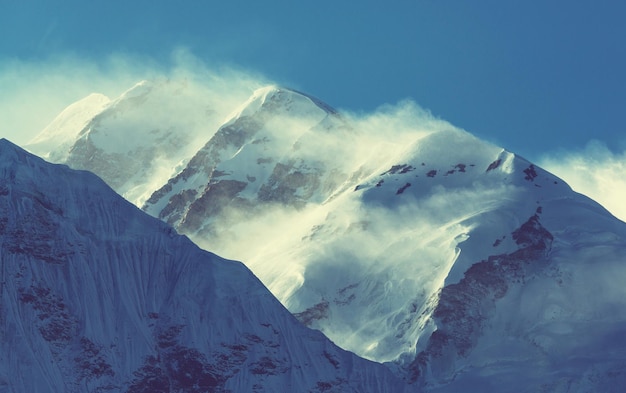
(404, 252)
(308, 258)
(34, 92)
(596, 171)
(391, 121)
(354, 147)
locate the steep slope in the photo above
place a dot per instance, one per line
(56, 140)
(137, 141)
(256, 160)
(515, 307)
(97, 296)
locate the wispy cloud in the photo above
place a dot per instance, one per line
(595, 171)
(34, 92)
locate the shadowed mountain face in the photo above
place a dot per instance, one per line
(98, 296)
(451, 259)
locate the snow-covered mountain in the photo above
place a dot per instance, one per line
(98, 296)
(260, 157)
(453, 260)
(137, 141)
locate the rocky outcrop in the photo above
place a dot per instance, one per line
(463, 308)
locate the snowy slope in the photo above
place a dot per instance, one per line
(456, 261)
(137, 141)
(514, 307)
(255, 160)
(368, 268)
(98, 296)
(55, 141)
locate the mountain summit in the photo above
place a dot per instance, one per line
(258, 157)
(454, 261)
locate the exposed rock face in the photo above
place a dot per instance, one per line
(463, 308)
(98, 296)
(254, 160)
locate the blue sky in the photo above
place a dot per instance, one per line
(532, 76)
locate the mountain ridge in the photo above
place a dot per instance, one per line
(372, 234)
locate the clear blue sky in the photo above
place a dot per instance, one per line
(532, 76)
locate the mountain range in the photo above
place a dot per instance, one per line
(450, 260)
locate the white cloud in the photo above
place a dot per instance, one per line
(34, 92)
(595, 171)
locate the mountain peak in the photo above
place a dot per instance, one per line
(273, 97)
(271, 90)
